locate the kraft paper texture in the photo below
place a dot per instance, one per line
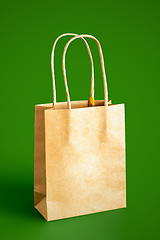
(79, 165)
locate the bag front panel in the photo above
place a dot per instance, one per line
(85, 160)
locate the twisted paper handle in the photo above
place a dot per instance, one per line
(52, 63)
(92, 85)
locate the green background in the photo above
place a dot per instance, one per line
(129, 32)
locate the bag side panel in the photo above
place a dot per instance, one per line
(39, 161)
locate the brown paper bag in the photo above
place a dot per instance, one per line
(79, 153)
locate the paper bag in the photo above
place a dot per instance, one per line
(79, 165)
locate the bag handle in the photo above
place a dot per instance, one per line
(52, 62)
(92, 86)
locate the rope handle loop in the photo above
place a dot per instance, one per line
(52, 63)
(92, 83)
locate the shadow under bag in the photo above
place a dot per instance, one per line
(79, 162)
